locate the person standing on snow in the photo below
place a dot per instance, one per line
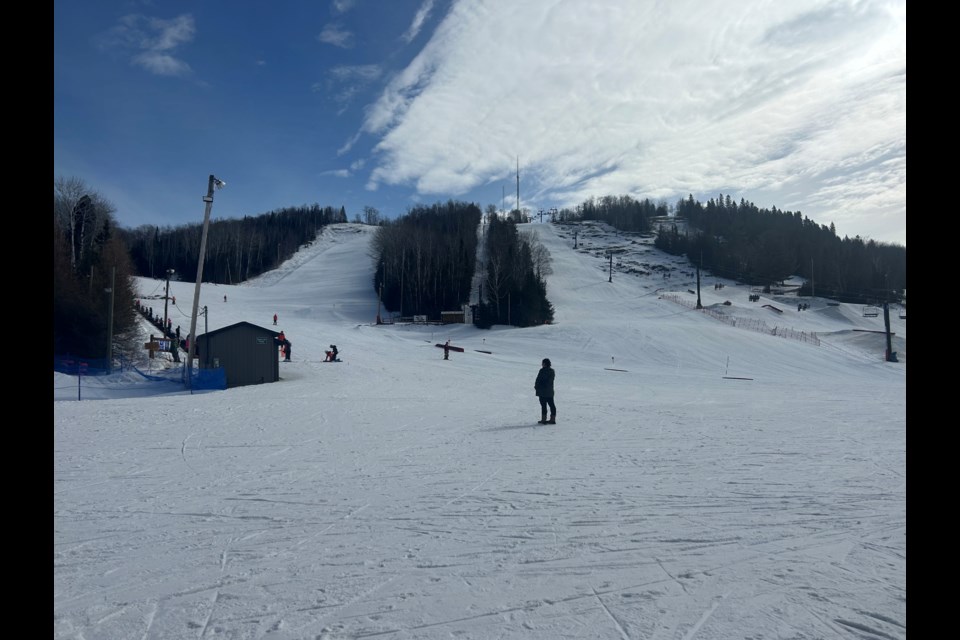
(274, 319)
(544, 389)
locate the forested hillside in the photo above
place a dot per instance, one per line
(765, 246)
(93, 290)
(237, 249)
(514, 288)
(761, 247)
(425, 260)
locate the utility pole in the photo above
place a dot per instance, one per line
(611, 266)
(166, 299)
(113, 276)
(812, 290)
(212, 183)
(379, 301)
(518, 185)
(891, 355)
(206, 329)
(699, 306)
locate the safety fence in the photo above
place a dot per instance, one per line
(78, 365)
(91, 379)
(750, 324)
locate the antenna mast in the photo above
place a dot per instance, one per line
(518, 186)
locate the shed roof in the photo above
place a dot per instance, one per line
(238, 324)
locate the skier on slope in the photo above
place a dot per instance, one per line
(544, 389)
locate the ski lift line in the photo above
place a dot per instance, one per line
(864, 295)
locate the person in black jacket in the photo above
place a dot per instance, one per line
(544, 389)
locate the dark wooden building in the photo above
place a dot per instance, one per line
(249, 354)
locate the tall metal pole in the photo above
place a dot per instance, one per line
(699, 306)
(518, 185)
(113, 277)
(206, 329)
(166, 300)
(813, 291)
(379, 298)
(891, 355)
(192, 340)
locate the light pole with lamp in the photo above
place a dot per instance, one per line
(166, 300)
(213, 182)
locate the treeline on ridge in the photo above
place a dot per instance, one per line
(514, 287)
(237, 249)
(424, 261)
(760, 247)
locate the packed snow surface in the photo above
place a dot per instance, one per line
(729, 473)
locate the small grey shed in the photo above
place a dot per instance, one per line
(249, 354)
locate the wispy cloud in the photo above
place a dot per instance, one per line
(350, 73)
(344, 82)
(348, 145)
(421, 16)
(786, 103)
(333, 34)
(152, 43)
(342, 6)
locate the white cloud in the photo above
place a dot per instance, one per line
(346, 81)
(333, 34)
(349, 144)
(161, 64)
(350, 73)
(342, 6)
(418, 19)
(802, 103)
(152, 42)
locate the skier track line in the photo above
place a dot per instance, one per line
(706, 615)
(616, 623)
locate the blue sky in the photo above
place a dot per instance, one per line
(796, 104)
